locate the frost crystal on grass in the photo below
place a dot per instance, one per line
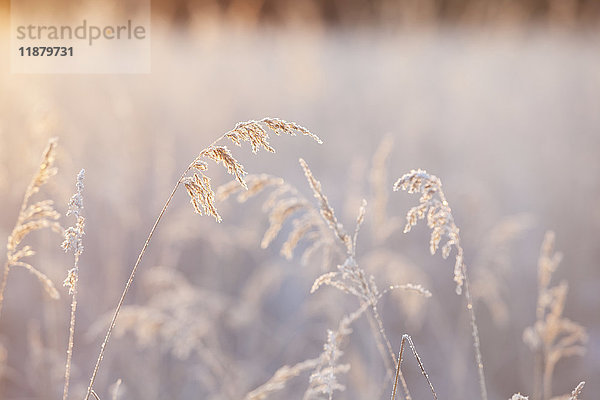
(518, 396)
(433, 204)
(198, 186)
(74, 243)
(74, 234)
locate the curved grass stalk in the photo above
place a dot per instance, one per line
(434, 206)
(202, 195)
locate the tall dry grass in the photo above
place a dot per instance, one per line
(73, 243)
(434, 206)
(32, 218)
(201, 194)
(314, 228)
(553, 336)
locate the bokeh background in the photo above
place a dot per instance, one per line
(500, 99)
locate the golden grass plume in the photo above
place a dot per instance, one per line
(434, 206)
(553, 336)
(33, 217)
(201, 194)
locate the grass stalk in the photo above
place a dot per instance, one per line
(407, 338)
(128, 285)
(202, 196)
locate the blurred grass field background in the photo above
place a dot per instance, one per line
(500, 99)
